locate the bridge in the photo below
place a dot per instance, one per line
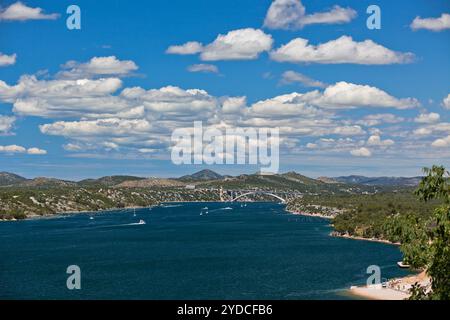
(259, 192)
(236, 195)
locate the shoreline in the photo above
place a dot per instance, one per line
(347, 236)
(377, 292)
(395, 289)
(67, 213)
(317, 215)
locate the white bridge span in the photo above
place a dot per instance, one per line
(259, 192)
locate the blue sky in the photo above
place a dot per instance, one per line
(380, 111)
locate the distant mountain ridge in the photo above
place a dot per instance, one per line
(7, 179)
(209, 178)
(46, 183)
(11, 179)
(202, 175)
(379, 181)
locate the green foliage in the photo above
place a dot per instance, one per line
(411, 231)
(421, 225)
(376, 215)
(435, 185)
(418, 292)
(430, 246)
(439, 267)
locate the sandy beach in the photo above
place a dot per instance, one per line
(396, 289)
(377, 293)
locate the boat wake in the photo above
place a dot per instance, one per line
(171, 205)
(140, 223)
(221, 209)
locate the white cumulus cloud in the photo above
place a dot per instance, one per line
(234, 105)
(13, 149)
(97, 66)
(202, 67)
(428, 118)
(191, 47)
(7, 60)
(379, 118)
(241, 44)
(296, 77)
(446, 102)
(20, 12)
(6, 124)
(36, 151)
(291, 14)
(58, 98)
(375, 140)
(441, 143)
(361, 152)
(432, 24)
(347, 95)
(341, 50)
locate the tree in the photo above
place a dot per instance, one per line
(437, 241)
(411, 232)
(435, 185)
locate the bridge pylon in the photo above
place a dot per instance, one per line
(221, 194)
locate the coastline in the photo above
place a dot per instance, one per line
(64, 213)
(395, 289)
(317, 215)
(67, 213)
(347, 236)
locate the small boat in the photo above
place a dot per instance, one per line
(91, 218)
(205, 208)
(403, 265)
(141, 222)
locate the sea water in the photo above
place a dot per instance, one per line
(185, 251)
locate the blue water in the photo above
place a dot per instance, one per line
(253, 252)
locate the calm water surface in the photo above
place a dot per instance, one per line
(254, 252)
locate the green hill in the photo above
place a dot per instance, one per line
(108, 181)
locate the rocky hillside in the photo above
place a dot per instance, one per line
(7, 179)
(203, 175)
(20, 203)
(108, 181)
(150, 183)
